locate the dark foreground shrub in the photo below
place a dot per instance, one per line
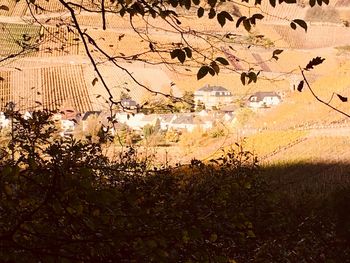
(62, 201)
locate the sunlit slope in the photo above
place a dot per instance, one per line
(302, 109)
(316, 149)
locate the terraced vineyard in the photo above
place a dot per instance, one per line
(5, 91)
(316, 37)
(13, 36)
(26, 88)
(50, 6)
(268, 142)
(58, 42)
(65, 87)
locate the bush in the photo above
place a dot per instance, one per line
(63, 200)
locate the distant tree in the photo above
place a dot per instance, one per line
(148, 130)
(189, 103)
(124, 95)
(200, 106)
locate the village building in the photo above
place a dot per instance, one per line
(166, 121)
(264, 99)
(212, 96)
(129, 104)
(4, 122)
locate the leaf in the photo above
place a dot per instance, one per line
(94, 81)
(300, 86)
(293, 25)
(273, 2)
(196, 2)
(188, 52)
(252, 77)
(240, 20)
(222, 16)
(215, 66)
(151, 46)
(256, 16)
(301, 23)
(181, 56)
(212, 3)
(2, 79)
(312, 3)
(211, 13)
(222, 60)
(202, 72)
(343, 99)
(200, 12)
(276, 52)
(314, 62)
(247, 25)
(243, 76)
(221, 19)
(120, 37)
(187, 4)
(211, 71)
(4, 7)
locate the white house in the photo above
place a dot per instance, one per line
(212, 96)
(264, 99)
(4, 122)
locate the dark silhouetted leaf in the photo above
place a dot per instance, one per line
(312, 3)
(120, 37)
(252, 77)
(202, 72)
(276, 52)
(254, 17)
(314, 62)
(247, 25)
(222, 60)
(273, 2)
(222, 16)
(151, 46)
(342, 98)
(211, 13)
(293, 25)
(243, 76)
(212, 3)
(181, 56)
(240, 20)
(4, 7)
(215, 66)
(300, 86)
(200, 12)
(211, 71)
(94, 81)
(301, 23)
(188, 52)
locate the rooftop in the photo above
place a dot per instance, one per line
(209, 88)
